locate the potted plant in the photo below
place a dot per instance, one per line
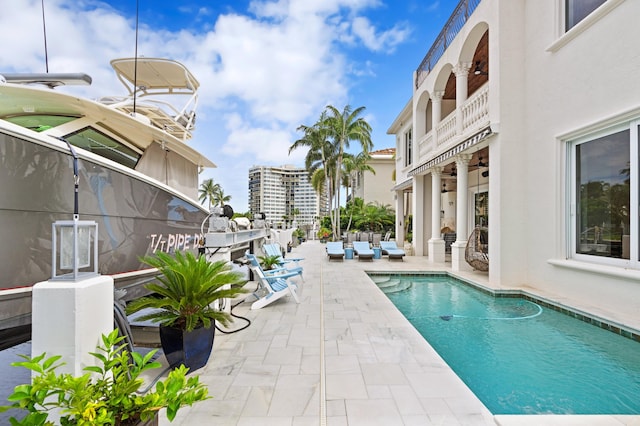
(324, 234)
(269, 262)
(183, 303)
(299, 234)
(108, 394)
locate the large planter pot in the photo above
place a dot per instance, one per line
(192, 348)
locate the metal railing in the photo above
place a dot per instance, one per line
(456, 21)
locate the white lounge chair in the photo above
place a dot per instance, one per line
(390, 249)
(335, 250)
(273, 288)
(275, 250)
(363, 250)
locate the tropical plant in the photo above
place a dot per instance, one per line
(343, 127)
(327, 141)
(319, 160)
(220, 198)
(207, 192)
(186, 290)
(324, 233)
(269, 261)
(109, 393)
(354, 165)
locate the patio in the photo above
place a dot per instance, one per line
(343, 356)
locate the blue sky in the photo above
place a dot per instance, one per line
(265, 66)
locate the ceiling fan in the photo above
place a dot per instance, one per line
(480, 163)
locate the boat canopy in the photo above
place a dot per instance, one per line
(147, 77)
(154, 76)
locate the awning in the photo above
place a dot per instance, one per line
(462, 146)
(403, 185)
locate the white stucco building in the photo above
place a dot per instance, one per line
(525, 118)
(374, 187)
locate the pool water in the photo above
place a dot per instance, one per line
(516, 356)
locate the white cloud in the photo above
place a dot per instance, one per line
(265, 72)
(381, 41)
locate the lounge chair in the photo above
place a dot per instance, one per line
(275, 250)
(363, 250)
(335, 250)
(271, 287)
(390, 249)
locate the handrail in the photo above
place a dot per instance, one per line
(456, 21)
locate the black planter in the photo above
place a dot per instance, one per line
(192, 349)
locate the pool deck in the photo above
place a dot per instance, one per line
(344, 356)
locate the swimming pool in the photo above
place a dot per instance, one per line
(517, 356)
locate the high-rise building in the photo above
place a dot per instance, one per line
(285, 193)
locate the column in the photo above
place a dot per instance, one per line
(462, 73)
(436, 244)
(436, 114)
(400, 218)
(418, 215)
(458, 262)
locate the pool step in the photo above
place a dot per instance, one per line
(393, 285)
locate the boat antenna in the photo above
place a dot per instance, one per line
(135, 61)
(44, 31)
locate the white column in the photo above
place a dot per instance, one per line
(418, 215)
(435, 243)
(462, 73)
(458, 263)
(400, 218)
(436, 114)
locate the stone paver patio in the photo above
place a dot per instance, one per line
(344, 356)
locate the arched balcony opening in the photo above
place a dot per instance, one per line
(479, 72)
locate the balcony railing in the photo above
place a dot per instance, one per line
(475, 117)
(475, 111)
(458, 18)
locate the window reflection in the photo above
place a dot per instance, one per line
(603, 192)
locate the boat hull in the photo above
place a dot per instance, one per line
(135, 217)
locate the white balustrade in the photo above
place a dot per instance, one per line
(475, 116)
(475, 111)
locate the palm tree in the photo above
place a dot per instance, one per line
(220, 198)
(355, 206)
(354, 164)
(343, 127)
(319, 159)
(207, 191)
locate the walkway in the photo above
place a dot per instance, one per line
(344, 356)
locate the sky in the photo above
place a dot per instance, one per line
(265, 66)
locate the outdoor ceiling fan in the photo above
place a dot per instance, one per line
(480, 163)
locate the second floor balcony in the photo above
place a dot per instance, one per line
(471, 117)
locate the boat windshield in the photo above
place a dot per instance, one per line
(40, 122)
(105, 146)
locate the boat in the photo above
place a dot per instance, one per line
(137, 177)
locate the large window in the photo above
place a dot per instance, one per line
(106, 146)
(604, 196)
(577, 10)
(408, 148)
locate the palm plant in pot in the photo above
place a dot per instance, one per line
(182, 301)
(109, 393)
(269, 262)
